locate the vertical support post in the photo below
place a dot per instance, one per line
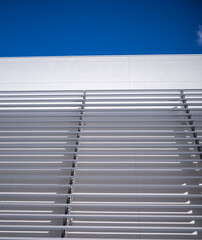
(191, 123)
(65, 220)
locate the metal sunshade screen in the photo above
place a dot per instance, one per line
(38, 138)
(101, 164)
(138, 169)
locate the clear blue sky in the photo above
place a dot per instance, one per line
(100, 27)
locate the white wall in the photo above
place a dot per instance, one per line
(101, 72)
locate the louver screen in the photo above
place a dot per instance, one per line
(101, 164)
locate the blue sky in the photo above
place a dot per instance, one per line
(100, 27)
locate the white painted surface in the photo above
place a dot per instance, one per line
(101, 72)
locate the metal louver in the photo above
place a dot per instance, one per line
(122, 164)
